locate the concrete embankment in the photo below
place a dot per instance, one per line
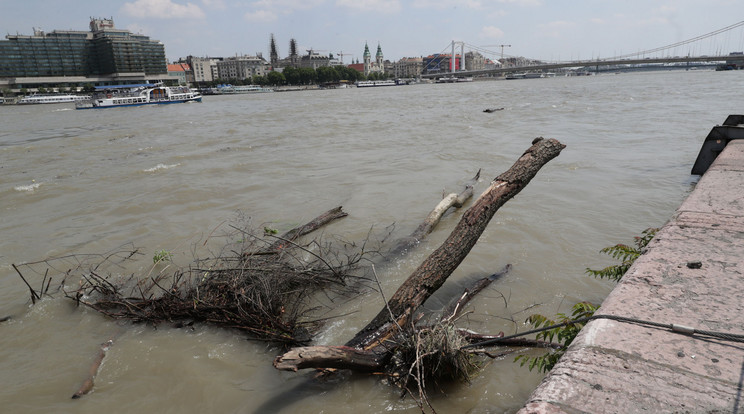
(692, 275)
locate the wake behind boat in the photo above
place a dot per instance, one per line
(137, 95)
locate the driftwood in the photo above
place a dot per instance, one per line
(87, 385)
(435, 270)
(329, 357)
(360, 360)
(297, 232)
(346, 357)
(247, 287)
(431, 221)
(456, 307)
(34, 296)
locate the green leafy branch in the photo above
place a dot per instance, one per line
(161, 256)
(564, 335)
(626, 254)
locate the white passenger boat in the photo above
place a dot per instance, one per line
(51, 99)
(454, 79)
(230, 89)
(368, 84)
(137, 95)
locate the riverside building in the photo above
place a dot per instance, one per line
(242, 67)
(104, 55)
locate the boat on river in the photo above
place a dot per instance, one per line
(230, 89)
(454, 79)
(138, 95)
(51, 99)
(369, 84)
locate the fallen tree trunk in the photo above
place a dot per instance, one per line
(435, 270)
(342, 357)
(435, 216)
(345, 357)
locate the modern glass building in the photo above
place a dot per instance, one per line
(102, 54)
(55, 54)
(120, 51)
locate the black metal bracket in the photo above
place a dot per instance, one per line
(716, 141)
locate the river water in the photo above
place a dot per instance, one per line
(167, 177)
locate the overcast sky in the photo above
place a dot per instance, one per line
(540, 29)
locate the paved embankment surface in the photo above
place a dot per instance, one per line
(618, 367)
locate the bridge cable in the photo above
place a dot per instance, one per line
(683, 42)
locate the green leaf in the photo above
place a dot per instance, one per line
(566, 334)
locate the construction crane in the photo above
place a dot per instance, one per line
(341, 54)
(502, 49)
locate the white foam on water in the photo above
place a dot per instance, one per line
(161, 167)
(27, 188)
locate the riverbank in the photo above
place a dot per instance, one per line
(690, 276)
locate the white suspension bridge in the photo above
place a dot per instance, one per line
(722, 45)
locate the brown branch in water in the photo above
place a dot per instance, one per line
(34, 296)
(455, 308)
(434, 217)
(297, 232)
(87, 385)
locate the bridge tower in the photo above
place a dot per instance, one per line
(453, 65)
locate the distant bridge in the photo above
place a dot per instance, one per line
(690, 51)
(739, 59)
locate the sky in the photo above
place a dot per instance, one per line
(540, 29)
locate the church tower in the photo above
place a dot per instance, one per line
(378, 59)
(367, 60)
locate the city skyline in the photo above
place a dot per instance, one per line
(538, 29)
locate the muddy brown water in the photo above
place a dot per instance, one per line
(165, 177)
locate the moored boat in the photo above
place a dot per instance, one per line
(533, 75)
(367, 84)
(137, 95)
(51, 99)
(230, 89)
(454, 79)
